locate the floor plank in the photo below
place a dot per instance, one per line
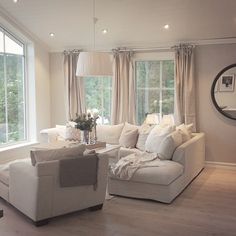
(206, 207)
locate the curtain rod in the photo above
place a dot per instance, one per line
(125, 49)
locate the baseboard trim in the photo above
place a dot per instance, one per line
(224, 165)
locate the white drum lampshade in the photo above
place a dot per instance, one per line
(94, 64)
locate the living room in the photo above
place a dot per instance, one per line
(150, 33)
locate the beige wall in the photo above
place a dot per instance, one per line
(220, 131)
(58, 112)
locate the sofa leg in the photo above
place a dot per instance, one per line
(41, 222)
(95, 208)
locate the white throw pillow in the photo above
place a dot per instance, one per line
(56, 154)
(186, 131)
(109, 133)
(72, 133)
(169, 144)
(61, 129)
(155, 137)
(129, 135)
(144, 131)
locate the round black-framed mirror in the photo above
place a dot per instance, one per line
(223, 92)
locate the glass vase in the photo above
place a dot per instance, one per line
(85, 136)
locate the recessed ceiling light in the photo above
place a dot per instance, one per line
(52, 35)
(104, 31)
(15, 1)
(166, 26)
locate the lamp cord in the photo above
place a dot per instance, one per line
(94, 24)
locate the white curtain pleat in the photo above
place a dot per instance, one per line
(74, 86)
(185, 105)
(123, 89)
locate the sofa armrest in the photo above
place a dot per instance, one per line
(30, 193)
(191, 152)
(49, 135)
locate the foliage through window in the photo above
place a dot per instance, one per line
(155, 88)
(12, 90)
(98, 97)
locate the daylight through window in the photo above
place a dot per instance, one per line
(98, 97)
(155, 88)
(12, 90)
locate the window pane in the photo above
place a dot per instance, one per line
(1, 42)
(168, 74)
(151, 96)
(98, 97)
(148, 74)
(147, 102)
(167, 102)
(15, 98)
(2, 103)
(13, 47)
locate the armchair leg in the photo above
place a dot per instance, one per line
(41, 222)
(95, 208)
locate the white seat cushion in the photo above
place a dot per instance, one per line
(4, 170)
(162, 175)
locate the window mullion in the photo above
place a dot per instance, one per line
(102, 97)
(160, 102)
(5, 89)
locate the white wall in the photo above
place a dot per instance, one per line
(41, 76)
(58, 111)
(220, 131)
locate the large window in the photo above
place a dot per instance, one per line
(98, 97)
(12, 90)
(155, 87)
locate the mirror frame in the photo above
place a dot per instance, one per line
(213, 90)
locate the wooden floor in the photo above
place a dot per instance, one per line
(206, 207)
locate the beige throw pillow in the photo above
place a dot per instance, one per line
(169, 144)
(109, 133)
(143, 131)
(186, 131)
(129, 135)
(155, 137)
(56, 154)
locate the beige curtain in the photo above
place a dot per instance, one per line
(123, 89)
(185, 107)
(75, 98)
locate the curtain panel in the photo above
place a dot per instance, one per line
(74, 87)
(123, 88)
(185, 104)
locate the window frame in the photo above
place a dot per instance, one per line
(18, 40)
(154, 56)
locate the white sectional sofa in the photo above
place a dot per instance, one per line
(36, 191)
(162, 183)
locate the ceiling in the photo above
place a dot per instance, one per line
(131, 23)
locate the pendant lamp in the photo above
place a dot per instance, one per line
(94, 63)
